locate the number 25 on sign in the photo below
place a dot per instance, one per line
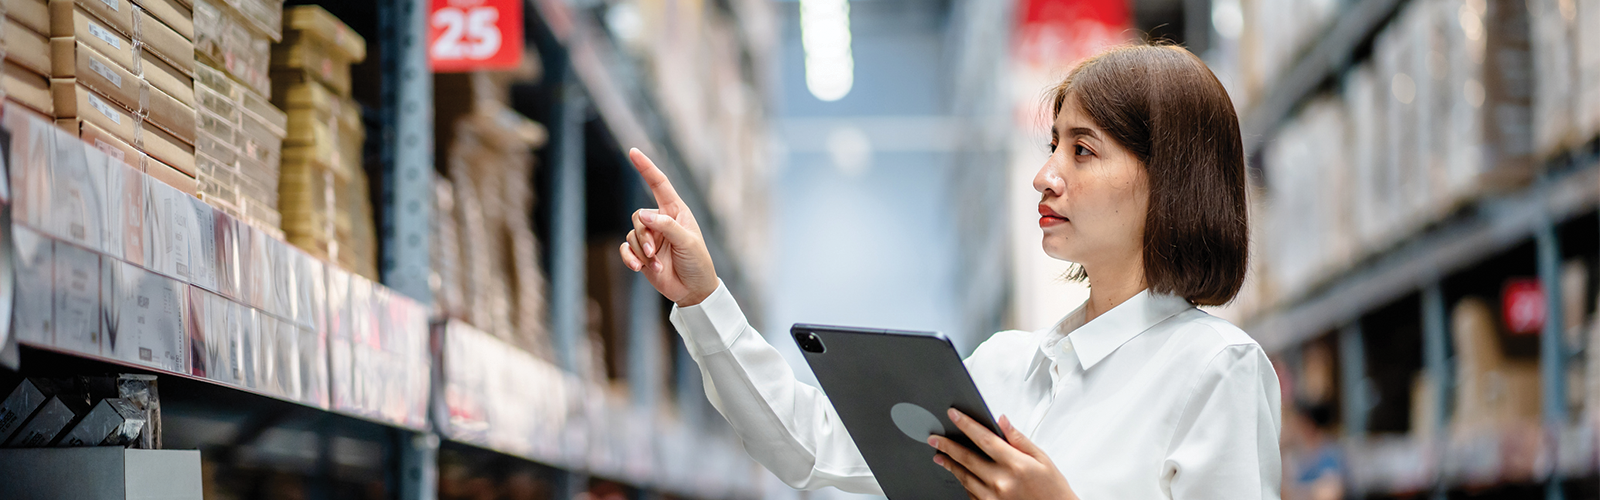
(467, 35)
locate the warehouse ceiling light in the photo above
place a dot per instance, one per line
(825, 34)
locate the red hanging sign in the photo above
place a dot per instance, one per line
(1522, 306)
(468, 35)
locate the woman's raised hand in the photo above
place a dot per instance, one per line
(665, 243)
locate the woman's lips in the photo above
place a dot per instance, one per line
(1049, 217)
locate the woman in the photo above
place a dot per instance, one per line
(1136, 394)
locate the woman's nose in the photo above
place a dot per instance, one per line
(1047, 180)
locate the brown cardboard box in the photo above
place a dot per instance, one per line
(111, 145)
(27, 88)
(26, 48)
(35, 14)
(77, 63)
(179, 180)
(104, 36)
(118, 14)
(82, 104)
(316, 21)
(304, 54)
(175, 15)
(169, 79)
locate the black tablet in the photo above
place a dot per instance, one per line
(891, 388)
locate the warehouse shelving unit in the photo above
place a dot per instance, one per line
(1386, 317)
(595, 106)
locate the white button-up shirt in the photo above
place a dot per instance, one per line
(1154, 399)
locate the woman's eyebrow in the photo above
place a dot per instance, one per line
(1084, 131)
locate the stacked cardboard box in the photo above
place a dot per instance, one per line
(494, 280)
(23, 41)
(240, 138)
(120, 77)
(323, 187)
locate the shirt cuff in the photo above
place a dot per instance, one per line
(712, 325)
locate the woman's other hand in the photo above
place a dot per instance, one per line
(665, 243)
(1019, 470)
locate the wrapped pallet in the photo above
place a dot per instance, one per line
(323, 188)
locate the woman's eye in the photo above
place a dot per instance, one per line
(1079, 150)
(1052, 147)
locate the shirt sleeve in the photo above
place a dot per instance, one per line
(1225, 445)
(787, 426)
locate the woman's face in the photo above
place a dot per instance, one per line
(1094, 195)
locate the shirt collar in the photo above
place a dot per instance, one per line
(1093, 341)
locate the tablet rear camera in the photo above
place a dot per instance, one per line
(809, 342)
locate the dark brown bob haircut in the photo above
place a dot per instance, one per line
(1163, 104)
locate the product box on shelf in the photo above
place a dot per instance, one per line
(73, 18)
(78, 193)
(32, 148)
(215, 353)
(111, 422)
(24, 400)
(53, 417)
(174, 14)
(33, 14)
(26, 48)
(144, 321)
(225, 40)
(123, 228)
(88, 106)
(27, 88)
(75, 62)
(76, 320)
(35, 265)
(340, 325)
(172, 176)
(317, 22)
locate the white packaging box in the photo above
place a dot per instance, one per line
(125, 204)
(35, 266)
(258, 274)
(214, 341)
(363, 329)
(145, 318)
(226, 236)
(77, 299)
(287, 358)
(166, 246)
(313, 367)
(32, 153)
(284, 272)
(78, 193)
(338, 338)
(247, 331)
(202, 243)
(267, 355)
(102, 472)
(307, 279)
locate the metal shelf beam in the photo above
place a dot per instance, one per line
(1495, 225)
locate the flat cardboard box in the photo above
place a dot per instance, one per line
(26, 48)
(172, 177)
(120, 150)
(310, 95)
(111, 422)
(144, 318)
(76, 63)
(102, 473)
(27, 88)
(316, 21)
(114, 32)
(32, 314)
(76, 23)
(116, 121)
(35, 14)
(116, 14)
(167, 78)
(175, 15)
(77, 299)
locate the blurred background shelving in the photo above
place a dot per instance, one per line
(396, 282)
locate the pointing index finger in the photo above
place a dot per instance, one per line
(665, 195)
